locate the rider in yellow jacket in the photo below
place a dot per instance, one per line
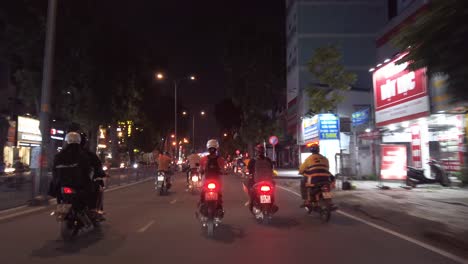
(315, 169)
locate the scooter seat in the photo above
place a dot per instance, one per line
(413, 169)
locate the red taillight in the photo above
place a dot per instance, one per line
(265, 188)
(211, 186)
(67, 190)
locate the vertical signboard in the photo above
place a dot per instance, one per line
(393, 163)
(329, 127)
(416, 145)
(310, 128)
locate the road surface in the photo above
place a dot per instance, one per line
(144, 227)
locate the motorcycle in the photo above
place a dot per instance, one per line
(195, 181)
(73, 215)
(263, 202)
(416, 176)
(321, 202)
(239, 169)
(210, 213)
(162, 183)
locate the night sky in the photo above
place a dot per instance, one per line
(193, 35)
(188, 37)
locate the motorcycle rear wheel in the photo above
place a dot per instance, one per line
(325, 211)
(210, 228)
(68, 231)
(325, 215)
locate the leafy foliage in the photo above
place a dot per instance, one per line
(99, 76)
(325, 66)
(438, 40)
(255, 77)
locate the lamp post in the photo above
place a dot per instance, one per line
(44, 116)
(160, 76)
(202, 113)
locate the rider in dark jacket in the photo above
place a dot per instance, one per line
(97, 174)
(260, 169)
(72, 168)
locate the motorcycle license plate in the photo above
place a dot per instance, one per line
(160, 178)
(327, 195)
(211, 196)
(264, 199)
(195, 178)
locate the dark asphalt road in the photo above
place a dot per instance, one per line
(143, 227)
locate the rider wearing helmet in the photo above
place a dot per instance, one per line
(212, 167)
(72, 168)
(261, 169)
(194, 162)
(315, 169)
(164, 164)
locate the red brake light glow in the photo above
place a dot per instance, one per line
(265, 188)
(67, 190)
(211, 186)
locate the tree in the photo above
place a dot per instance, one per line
(255, 71)
(228, 115)
(332, 79)
(98, 77)
(438, 40)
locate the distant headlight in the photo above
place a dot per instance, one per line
(8, 170)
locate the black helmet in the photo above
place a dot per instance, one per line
(260, 149)
(84, 139)
(314, 147)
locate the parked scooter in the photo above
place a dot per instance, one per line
(438, 175)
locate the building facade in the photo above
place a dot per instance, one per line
(408, 114)
(353, 27)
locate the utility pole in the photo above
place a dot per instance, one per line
(44, 116)
(193, 131)
(175, 122)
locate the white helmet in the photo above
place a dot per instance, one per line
(73, 138)
(212, 143)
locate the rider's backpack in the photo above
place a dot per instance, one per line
(212, 167)
(263, 169)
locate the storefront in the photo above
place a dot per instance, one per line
(324, 129)
(24, 134)
(403, 112)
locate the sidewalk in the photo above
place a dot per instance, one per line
(288, 173)
(430, 212)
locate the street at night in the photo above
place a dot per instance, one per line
(233, 131)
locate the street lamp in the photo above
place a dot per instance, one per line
(225, 135)
(202, 113)
(160, 76)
